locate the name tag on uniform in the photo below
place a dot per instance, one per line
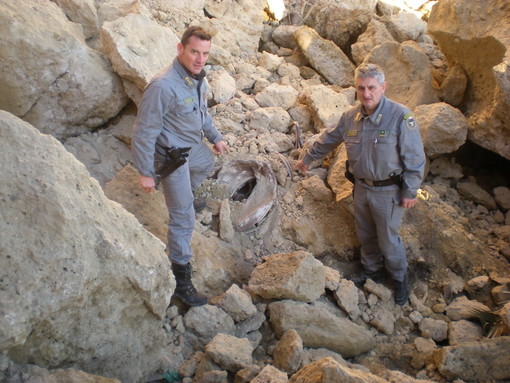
(352, 133)
(189, 100)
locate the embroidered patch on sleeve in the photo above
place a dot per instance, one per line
(410, 121)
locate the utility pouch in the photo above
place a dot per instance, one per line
(348, 174)
(398, 179)
(174, 158)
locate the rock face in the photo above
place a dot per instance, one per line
(50, 77)
(483, 52)
(105, 308)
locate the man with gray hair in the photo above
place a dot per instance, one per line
(386, 161)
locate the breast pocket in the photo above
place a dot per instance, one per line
(353, 145)
(385, 147)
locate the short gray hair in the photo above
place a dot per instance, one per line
(369, 70)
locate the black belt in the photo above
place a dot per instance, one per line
(389, 181)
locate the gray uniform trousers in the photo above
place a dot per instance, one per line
(378, 215)
(178, 190)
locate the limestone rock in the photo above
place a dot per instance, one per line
(451, 361)
(319, 328)
(443, 128)
(475, 193)
(138, 48)
(453, 87)
(223, 86)
(347, 297)
(446, 168)
(488, 95)
(53, 80)
(275, 118)
(92, 275)
(408, 72)
(316, 187)
(325, 57)
(237, 303)
(463, 331)
(297, 276)
(32, 373)
(226, 226)
(328, 370)
(409, 25)
(288, 352)
(375, 34)
(384, 321)
(326, 105)
(502, 197)
(434, 328)
(270, 374)
(229, 352)
(207, 321)
(283, 35)
(82, 12)
(276, 95)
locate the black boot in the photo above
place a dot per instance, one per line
(199, 204)
(184, 289)
(402, 291)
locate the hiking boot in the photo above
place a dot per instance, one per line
(184, 289)
(199, 204)
(377, 276)
(402, 291)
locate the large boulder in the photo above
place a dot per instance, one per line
(82, 283)
(50, 77)
(482, 50)
(408, 72)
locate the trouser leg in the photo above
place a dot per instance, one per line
(387, 215)
(201, 163)
(371, 254)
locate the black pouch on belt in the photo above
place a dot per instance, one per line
(174, 158)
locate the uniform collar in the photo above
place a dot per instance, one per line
(375, 117)
(189, 78)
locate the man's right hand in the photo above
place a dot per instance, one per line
(301, 166)
(147, 183)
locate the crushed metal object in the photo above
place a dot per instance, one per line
(254, 182)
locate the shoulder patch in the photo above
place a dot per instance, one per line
(410, 121)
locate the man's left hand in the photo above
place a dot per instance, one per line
(220, 147)
(407, 203)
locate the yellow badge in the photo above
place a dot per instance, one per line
(189, 100)
(188, 81)
(352, 133)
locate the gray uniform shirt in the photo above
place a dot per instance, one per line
(172, 112)
(384, 143)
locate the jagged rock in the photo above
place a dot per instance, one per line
(451, 360)
(409, 25)
(32, 373)
(190, 365)
(269, 61)
(208, 371)
(408, 72)
(454, 85)
(288, 352)
(283, 35)
(318, 327)
(229, 352)
(275, 118)
(237, 303)
(270, 374)
(297, 276)
(276, 95)
(462, 308)
(488, 95)
(463, 331)
(226, 227)
(325, 57)
(502, 197)
(207, 321)
(446, 168)
(252, 324)
(247, 374)
(434, 328)
(347, 297)
(82, 12)
(443, 128)
(138, 48)
(378, 289)
(113, 277)
(149, 208)
(326, 105)
(375, 34)
(384, 321)
(327, 370)
(316, 187)
(332, 278)
(311, 355)
(53, 80)
(222, 86)
(475, 193)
